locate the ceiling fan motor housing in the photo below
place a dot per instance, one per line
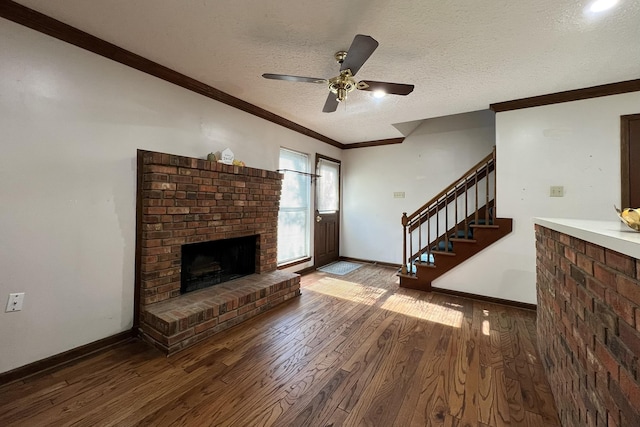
(342, 85)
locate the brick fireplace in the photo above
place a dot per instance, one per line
(187, 201)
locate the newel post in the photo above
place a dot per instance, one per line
(405, 221)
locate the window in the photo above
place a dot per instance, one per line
(329, 186)
(294, 214)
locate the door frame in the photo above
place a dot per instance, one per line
(625, 161)
(317, 159)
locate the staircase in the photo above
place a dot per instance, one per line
(452, 227)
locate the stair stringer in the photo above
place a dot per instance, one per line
(483, 237)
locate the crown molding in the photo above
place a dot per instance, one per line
(376, 143)
(37, 21)
(42, 23)
(568, 96)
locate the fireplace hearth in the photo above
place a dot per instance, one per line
(188, 285)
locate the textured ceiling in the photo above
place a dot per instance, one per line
(461, 55)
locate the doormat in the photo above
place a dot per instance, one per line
(340, 268)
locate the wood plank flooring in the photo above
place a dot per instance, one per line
(353, 350)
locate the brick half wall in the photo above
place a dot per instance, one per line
(588, 322)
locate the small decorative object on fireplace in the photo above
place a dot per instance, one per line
(226, 156)
(212, 157)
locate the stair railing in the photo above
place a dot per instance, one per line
(433, 218)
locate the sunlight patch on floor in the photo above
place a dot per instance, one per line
(411, 306)
(344, 289)
(486, 328)
(486, 325)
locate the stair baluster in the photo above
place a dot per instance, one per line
(446, 222)
(420, 238)
(411, 261)
(475, 187)
(455, 221)
(428, 239)
(486, 199)
(405, 221)
(466, 208)
(495, 189)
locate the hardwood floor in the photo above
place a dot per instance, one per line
(352, 350)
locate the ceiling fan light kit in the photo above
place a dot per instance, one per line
(350, 62)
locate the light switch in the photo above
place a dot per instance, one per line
(398, 194)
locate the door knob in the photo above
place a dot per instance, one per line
(318, 218)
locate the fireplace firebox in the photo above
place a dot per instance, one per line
(210, 263)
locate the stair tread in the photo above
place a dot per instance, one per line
(443, 245)
(448, 253)
(484, 226)
(462, 239)
(460, 234)
(425, 258)
(425, 264)
(407, 276)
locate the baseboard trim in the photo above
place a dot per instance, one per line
(306, 271)
(493, 300)
(59, 360)
(366, 261)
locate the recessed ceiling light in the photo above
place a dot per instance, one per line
(379, 94)
(602, 5)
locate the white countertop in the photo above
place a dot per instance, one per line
(613, 235)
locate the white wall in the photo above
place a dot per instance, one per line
(574, 144)
(438, 152)
(71, 122)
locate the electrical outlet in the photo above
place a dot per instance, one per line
(556, 191)
(398, 194)
(15, 302)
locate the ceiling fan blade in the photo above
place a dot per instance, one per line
(361, 49)
(331, 104)
(390, 88)
(294, 78)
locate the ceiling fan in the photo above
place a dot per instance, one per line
(350, 62)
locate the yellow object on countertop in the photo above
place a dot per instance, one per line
(630, 216)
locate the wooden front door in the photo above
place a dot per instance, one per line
(630, 161)
(327, 215)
